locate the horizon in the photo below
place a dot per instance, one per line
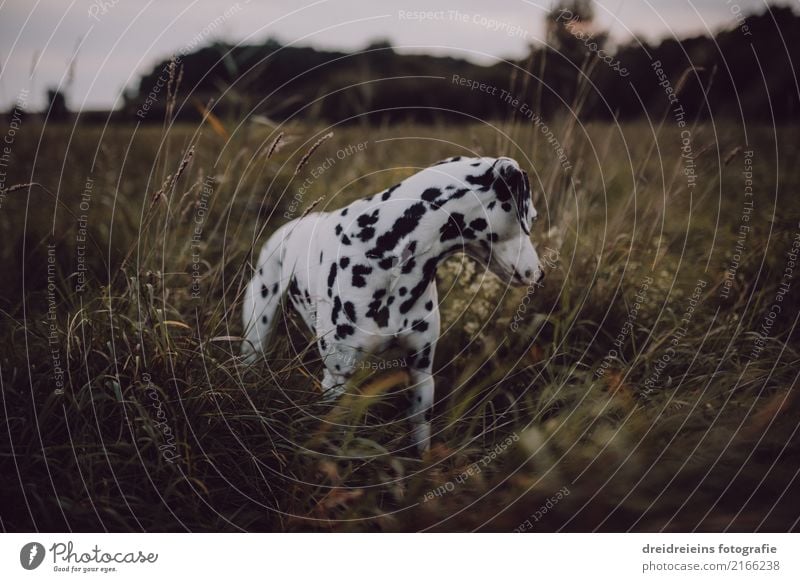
(98, 49)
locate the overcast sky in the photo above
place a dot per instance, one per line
(117, 40)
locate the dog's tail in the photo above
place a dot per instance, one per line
(262, 298)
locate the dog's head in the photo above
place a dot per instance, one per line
(504, 192)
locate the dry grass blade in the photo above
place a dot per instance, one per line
(16, 187)
(304, 160)
(731, 154)
(172, 179)
(172, 89)
(214, 121)
(311, 206)
(685, 77)
(274, 146)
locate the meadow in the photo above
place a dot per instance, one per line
(649, 385)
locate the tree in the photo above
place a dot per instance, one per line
(569, 24)
(56, 105)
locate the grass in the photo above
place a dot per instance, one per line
(160, 427)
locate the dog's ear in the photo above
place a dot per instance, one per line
(512, 183)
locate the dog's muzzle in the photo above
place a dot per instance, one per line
(529, 276)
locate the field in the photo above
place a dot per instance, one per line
(650, 384)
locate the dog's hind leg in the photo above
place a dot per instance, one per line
(262, 299)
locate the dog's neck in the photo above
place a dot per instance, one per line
(441, 221)
(448, 226)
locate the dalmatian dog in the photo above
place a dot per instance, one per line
(363, 277)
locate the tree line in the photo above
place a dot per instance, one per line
(747, 72)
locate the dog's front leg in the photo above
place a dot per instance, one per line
(332, 386)
(421, 344)
(422, 408)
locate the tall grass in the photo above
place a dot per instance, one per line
(162, 428)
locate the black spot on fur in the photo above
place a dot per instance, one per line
(484, 181)
(453, 228)
(366, 233)
(337, 307)
(491, 204)
(420, 325)
(344, 212)
(338, 229)
(478, 224)
(345, 240)
(343, 330)
(401, 227)
(409, 266)
(343, 262)
(402, 291)
(331, 276)
(447, 161)
(458, 194)
(368, 219)
(506, 207)
(378, 312)
(425, 357)
(350, 311)
(429, 306)
(387, 263)
(264, 319)
(264, 291)
(275, 289)
(359, 271)
(260, 271)
(431, 194)
(428, 271)
(387, 194)
(320, 257)
(323, 344)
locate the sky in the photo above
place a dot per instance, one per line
(95, 49)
